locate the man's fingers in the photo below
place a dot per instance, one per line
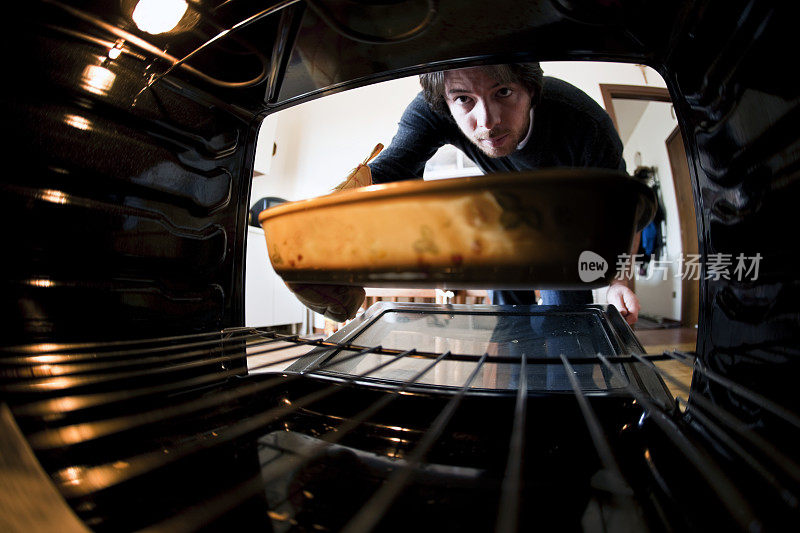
(615, 299)
(626, 302)
(632, 305)
(631, 302)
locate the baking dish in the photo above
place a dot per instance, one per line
(539, 228)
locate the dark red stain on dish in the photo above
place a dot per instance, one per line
(457, 259)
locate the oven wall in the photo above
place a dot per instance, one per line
(122, 216)
(739, 113)
(126, 220)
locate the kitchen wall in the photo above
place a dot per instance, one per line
(320, 142)
(588, 76)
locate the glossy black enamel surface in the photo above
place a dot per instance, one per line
(124, 211)
(132, 217)
(119, 219)
(738, 117)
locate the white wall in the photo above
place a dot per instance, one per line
(320, 142)
(588, 76)
(649, 139)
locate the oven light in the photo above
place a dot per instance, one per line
(115, 51)
(158, 16)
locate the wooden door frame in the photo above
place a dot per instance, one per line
(657, 94)
(609, 91)
(684, 195)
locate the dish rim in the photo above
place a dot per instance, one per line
(520, 179)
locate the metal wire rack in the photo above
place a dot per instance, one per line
(111, 420)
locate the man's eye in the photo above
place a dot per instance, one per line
(503, 92)
(462, 99)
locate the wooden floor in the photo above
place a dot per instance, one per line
(656, 341)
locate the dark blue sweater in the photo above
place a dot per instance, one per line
(569, 130)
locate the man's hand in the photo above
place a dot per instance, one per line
(625, 300)
(361, 176)
(337, 302)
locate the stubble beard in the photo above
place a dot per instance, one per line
(508, 148)
(501, 151)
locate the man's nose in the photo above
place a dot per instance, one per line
(487, 114)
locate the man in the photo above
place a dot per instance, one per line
(506, 118)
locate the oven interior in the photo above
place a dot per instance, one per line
(134, 398)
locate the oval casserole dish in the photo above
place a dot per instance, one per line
(515, 230)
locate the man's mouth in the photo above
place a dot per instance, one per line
(496, 142)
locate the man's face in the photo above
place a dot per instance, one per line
(494, 116)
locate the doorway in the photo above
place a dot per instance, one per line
(653, 150)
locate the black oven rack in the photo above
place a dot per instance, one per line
(68, 397)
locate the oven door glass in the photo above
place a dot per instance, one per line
(538, 335)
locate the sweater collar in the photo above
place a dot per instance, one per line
(524, 141)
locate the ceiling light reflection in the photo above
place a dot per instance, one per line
(97, 79)
(158, 16)
(58, 383)
(77, 121)
(50, 370)
(40, 282)
(71, 475)
(44, 359)
(55, 197)
(66, 404)
(44, 346)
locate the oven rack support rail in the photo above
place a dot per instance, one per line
(46, 385)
